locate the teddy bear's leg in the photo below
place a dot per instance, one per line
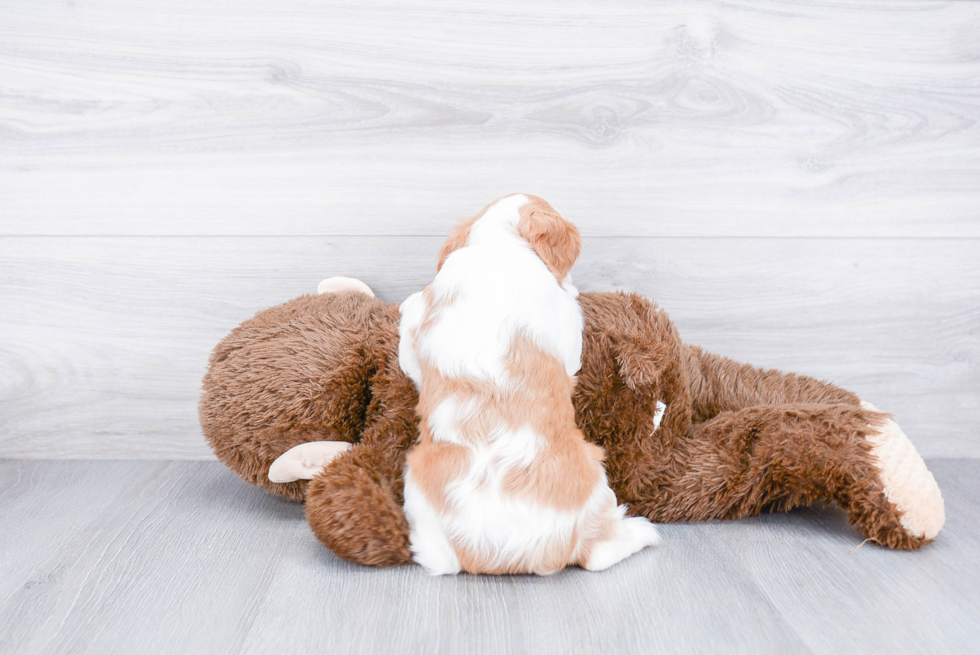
(908, 483)
(781, 456)
(719, 384)
(354, 505)
(341, 284)
(355, 510)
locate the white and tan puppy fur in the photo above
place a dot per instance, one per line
(501, 480)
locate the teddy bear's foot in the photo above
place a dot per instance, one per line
(340, 284)
(907, 483)
(304, 461)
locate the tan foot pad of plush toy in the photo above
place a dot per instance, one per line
(908, 483)
(341, 284)
(304, 461)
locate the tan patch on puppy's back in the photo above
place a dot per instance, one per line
(556, 241)
(566, 471)
(476, 395)
(440, 463)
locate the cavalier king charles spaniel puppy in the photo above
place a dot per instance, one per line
(501, 479)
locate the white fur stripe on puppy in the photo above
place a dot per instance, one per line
(339, 284)
(908, 483)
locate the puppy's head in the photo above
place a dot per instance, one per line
(556, 241)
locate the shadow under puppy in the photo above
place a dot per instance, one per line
(502, 480)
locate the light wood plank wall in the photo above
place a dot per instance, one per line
(798, 184)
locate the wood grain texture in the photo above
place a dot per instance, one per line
(103, 341)
(183, 557)
(751, 117)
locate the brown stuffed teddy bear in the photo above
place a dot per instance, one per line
(688, 435)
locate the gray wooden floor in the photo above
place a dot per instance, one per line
(182, 557)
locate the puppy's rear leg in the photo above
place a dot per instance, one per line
(630, 535)
(428, 541)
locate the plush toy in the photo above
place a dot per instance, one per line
(312, 390)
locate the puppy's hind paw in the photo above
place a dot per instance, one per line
(634, 534)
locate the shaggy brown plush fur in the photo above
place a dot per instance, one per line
(734, 440)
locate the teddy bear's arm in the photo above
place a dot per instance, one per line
(354, 511)
(304, 461)
(354, 506)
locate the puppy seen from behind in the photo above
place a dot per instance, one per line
(501, 479)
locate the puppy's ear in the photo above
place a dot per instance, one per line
(459, 236)
(457, 239)
(556, 241)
